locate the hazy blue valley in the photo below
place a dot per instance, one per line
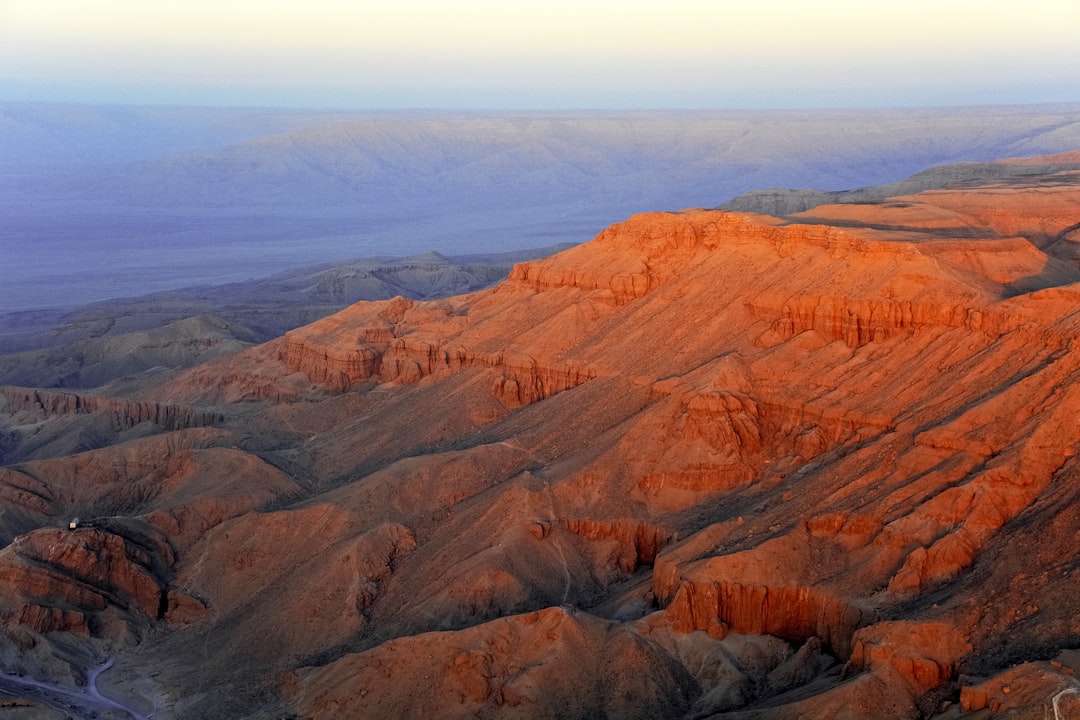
(106, 202)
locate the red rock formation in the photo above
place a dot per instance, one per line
(751, 440)
(125, 413)
(183, 483)
(65, 581)
(925, 654)
(791, 613)
(637, 543)
(103, 561)
(379, 355)
(1049, 684)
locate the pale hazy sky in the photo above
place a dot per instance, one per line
(552, 54)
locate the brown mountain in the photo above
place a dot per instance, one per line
(710, 464)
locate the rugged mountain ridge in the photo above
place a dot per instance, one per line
(140, 341)
(750, 466)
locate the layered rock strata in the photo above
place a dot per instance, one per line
(818, 465)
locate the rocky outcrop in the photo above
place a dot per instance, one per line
(256, 374)
(725, 419)
(114, 567)
(523, 381)
(727, 436)
(926, 655)
(340, 360)
(43, 619)
(125, 413)
(31, 595)
(945, 533)
(621, 288)
(65, 580)
(183, 609)
(1051, 684)
(747, 425)
(858, 322)
(637, 543)
(790, 612)
(631, 259)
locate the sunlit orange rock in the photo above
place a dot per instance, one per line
(813, 466)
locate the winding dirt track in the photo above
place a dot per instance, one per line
(88, 701)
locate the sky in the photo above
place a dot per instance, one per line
(568, 54)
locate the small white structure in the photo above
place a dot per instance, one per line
(73, 524)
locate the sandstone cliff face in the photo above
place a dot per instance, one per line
(124, 413)
(636, 544)
(391, 351)
(744, 464)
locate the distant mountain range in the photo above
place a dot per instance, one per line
(101, 202)
(143, 337)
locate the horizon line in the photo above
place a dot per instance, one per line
(1050, 104)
